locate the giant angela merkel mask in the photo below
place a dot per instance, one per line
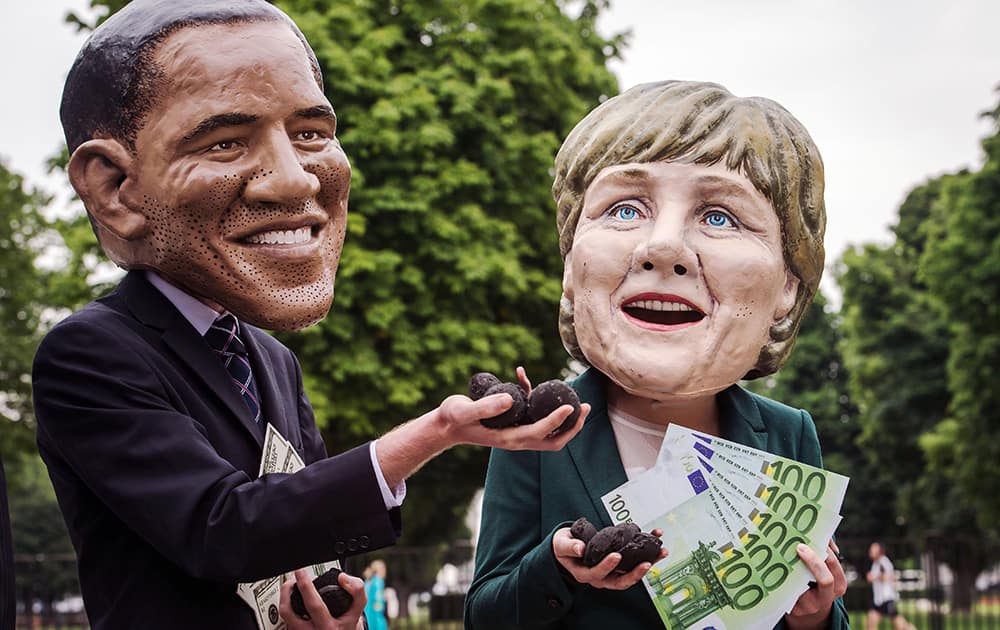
(691, 226)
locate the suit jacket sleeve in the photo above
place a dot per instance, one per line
(518, 580)
(109, 418)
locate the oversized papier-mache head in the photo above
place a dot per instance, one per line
(691, 225)
(203, 148)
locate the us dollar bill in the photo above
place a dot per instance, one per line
(263, 596)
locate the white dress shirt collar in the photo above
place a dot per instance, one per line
(199, 314)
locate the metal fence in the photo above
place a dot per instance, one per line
(429, 584)
(943, 585)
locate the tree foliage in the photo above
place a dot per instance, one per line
(20, 308)
(904, 352)
(815, 379)
(961, 267)
(36, 523)
(895, 349)
(451, 113)
(39, 533)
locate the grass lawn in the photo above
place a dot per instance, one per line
(986, 616)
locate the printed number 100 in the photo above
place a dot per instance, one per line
(619, 512)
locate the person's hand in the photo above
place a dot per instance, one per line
(402, 451)
(319, 616)
(812, 610)
(459, 418)
(569, 552)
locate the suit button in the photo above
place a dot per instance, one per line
(352, 544)
(365, 542)
(554, 603)
(340, 547)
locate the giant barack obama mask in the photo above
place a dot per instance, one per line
(204, 149)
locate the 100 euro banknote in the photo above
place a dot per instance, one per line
(732, 519)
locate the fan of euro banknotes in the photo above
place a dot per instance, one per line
(732, 518)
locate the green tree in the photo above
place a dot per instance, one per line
(21, 225)
(37, 526)
(815, 379)
(961, 267)
(44, 561)
(451, 113)
(897, 346)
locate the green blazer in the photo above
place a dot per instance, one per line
(529, 495)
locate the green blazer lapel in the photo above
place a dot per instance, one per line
(739, 418)
(594, 451)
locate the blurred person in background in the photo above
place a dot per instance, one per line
(375, 591)
(882, 576)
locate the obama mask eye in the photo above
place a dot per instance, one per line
(223, 146)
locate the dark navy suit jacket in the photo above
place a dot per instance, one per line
(154, 459)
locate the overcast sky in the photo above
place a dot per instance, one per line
(890, 90)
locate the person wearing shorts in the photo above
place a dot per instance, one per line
(882, 576)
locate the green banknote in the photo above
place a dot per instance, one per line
(732, 519)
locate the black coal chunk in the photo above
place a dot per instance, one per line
(608, 540)
(337, 600)
(634, 545)
(548, 397)
(480, 382)
(514, 415)
(642, 548)
(582, 529)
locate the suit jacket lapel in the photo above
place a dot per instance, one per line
(151, 308)
(594, 450)
(739, 418)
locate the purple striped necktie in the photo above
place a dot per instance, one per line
(223, 337)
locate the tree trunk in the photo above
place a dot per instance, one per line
(964, 587)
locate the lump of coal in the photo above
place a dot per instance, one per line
(642, 548)
(582, 529)
(633, 544)
(548, 397)
(527, 408)
(608, 540)
(337, 600)
(514, 415)
(480, 382)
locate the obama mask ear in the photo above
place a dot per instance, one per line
(97, 170)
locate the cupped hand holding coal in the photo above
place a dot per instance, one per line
(634, 545)
(337, 600)
(541, 402)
